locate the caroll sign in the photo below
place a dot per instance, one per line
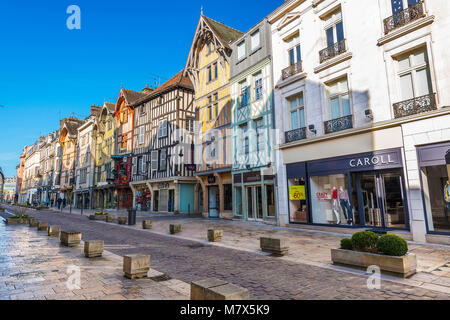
(372, 161)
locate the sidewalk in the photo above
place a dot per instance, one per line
(36, 267)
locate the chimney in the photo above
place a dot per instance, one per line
(95, 109)
(147, 89)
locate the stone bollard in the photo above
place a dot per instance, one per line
(215, 235)
(147, 224)
(175, 228)
(93, 248)
(275, 246)
(136, 266)
(33, 223)
(42, 226)
(53, 231)
(70, 238)
(215, 289)
(122, 220)
(110, 218)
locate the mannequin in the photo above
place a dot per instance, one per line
(336, 205)
(345, 204)
(447, 185)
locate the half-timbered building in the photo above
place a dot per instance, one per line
(105, 147)
(252, 126)
(124, 114)
(162, 175)
(209, 70)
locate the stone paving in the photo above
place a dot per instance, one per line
(265, 276)
(35, 266)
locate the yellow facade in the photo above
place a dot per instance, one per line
(105, 144)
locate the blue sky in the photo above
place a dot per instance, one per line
(48, 71)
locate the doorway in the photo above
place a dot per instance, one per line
(254, 203)
(156, 201)
(213, 201)
(382, 199)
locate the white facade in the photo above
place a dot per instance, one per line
(360, 82)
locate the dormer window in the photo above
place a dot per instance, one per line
(241, 50)
(255, 40)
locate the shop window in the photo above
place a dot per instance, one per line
(436, 189)
(228, 197)
(297, 200)
(238, 197)
(330, 200)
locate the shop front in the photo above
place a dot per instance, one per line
(215, 195)
(254, 196)
(360, 190)
(434, 166)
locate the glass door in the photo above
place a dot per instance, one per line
(370, 204)
(254, 203)
(391, 185)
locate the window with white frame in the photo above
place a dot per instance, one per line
(154, 159)
(414, 74)
(260, 137)
(141, 134)
(245, 147)
(334, 28)
(140, 165)
(162, 159)
(241, 50)
(190, 124)
(294, 50)
(162, 130)
(244, 94)
(258, 86)
(339, 98)
(255, 40)
(297, 112)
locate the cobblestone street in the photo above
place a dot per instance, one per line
(265, 276)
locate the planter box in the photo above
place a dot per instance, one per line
(93, 248)
(12, 222)
(53, 231)
(42, 226)
(110, 218)
(273, 245)
(175, 228)
(33, 223)
(404, 266)
(122, 220)
(136, 266)
(70, 238)
(147, 224)
(215, 235)
(214, 289)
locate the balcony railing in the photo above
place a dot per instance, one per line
(404, 17)
(292, 70)
(332, 51)
(295, 135)
(415, 106)
(339, 124)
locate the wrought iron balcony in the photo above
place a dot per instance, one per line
(332, 51)
(292, 70)
(295, 135)
(404, 17)
(415, 106)
(339, 124)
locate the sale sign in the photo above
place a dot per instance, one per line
(297, 193)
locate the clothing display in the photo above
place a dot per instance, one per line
(347, 209)
(343, 194)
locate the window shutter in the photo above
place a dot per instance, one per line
(144, 164)
(134, 166)
(154, 160)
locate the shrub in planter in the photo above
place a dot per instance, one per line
(365, 241)
(346, 244)
(392, 245)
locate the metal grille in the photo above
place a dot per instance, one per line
(332, 51)
(339, 124)
(404, 17)
(415, 106)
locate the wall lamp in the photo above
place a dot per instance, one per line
(312, 128)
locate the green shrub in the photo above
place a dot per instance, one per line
(365, 241)
(346, 244)
(392, 245)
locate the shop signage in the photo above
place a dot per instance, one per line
(163, 186)
(191, 167)
(297, 193)
(323, 196)
(252, 177)
(237, 178)
(211, 179)
(372, 161)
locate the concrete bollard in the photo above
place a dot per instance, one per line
(136, 266)
(273, 245)
(33, 223)
(215, 235)
(110, 218)
(175, 228)
(53, 231)
(122, 220)
(42, 226)
(70, 238)
(215, 289)
(93, 248)
(147, 224)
